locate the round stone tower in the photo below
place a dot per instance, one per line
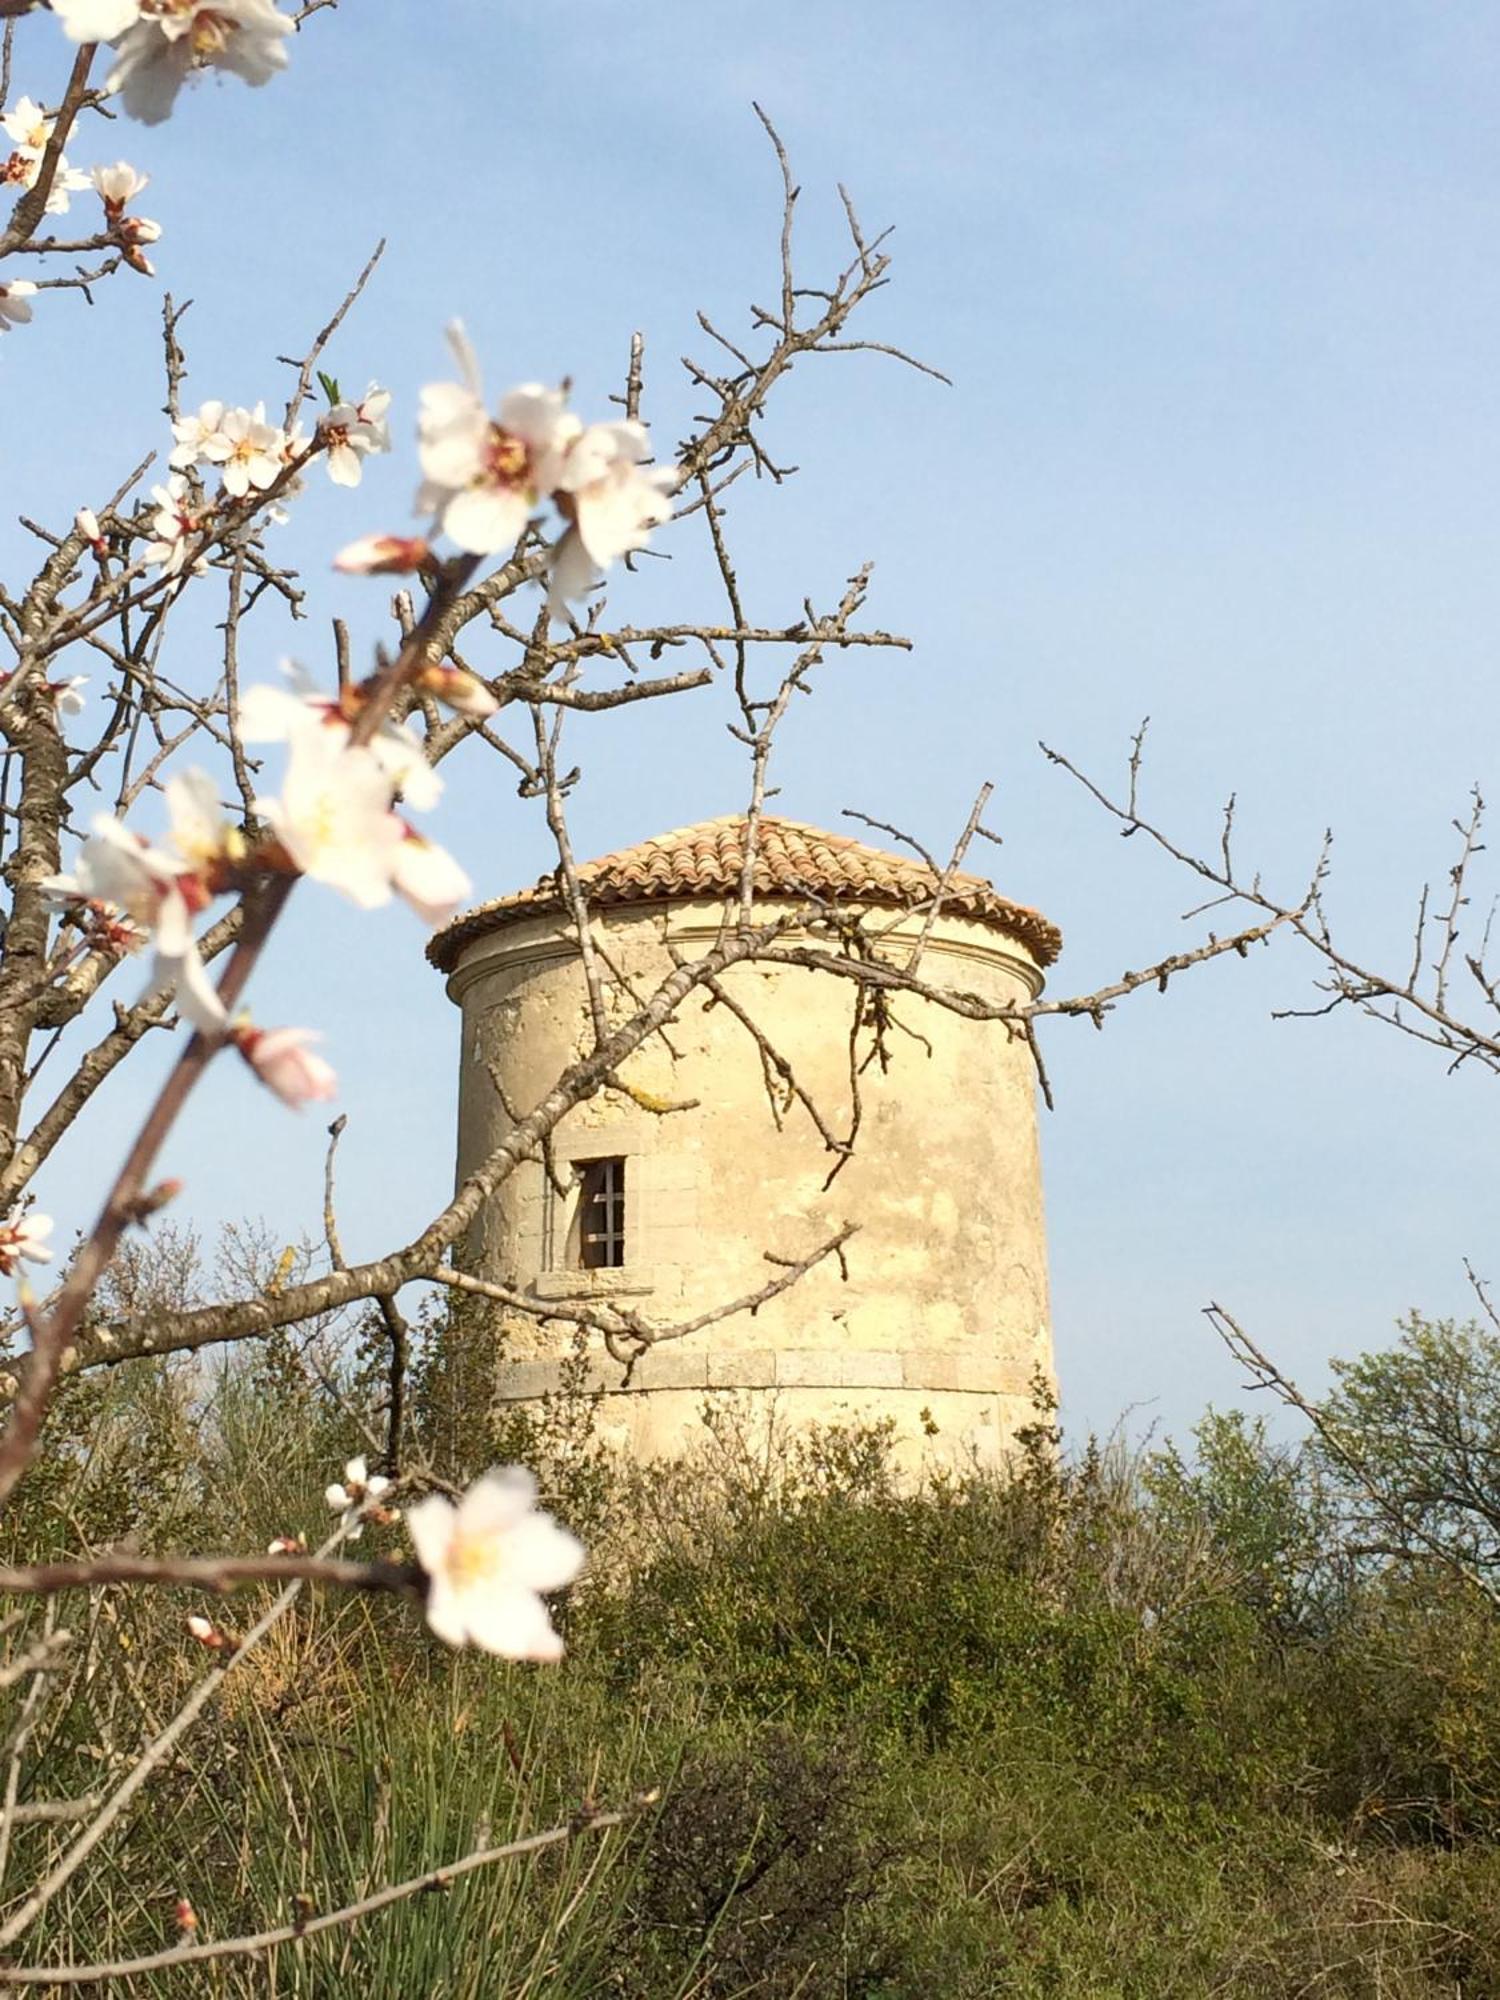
(667, 1194)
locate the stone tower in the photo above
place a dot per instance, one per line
(666, 1195)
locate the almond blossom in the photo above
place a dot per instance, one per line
(360, 1492)
(30, 129)
(195, 434)
(64, 695)
(116, 186)
(160, 44)
(333, 816)
(612, 498)
(428, 878)
(178, 521)
(247, 450)
(282, 1060)
(86, 521)
(351, 431)
(484, 476)
(96, 20)
(275, 715)
(14, 311)
(163, 888)
(488, 1560)
(24, 1236)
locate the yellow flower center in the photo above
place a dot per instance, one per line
(507, 459)
(471, 1559)
(210, 33)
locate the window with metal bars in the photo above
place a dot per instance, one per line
(601, 1214)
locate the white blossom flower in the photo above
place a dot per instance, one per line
(383, 555)
(612, 499)
(64, 694)
(194, 434)
(30, 129)
(428, 877)
(488, 1560)
(274, 715)
(119, 184)
(24, 1236)
(484, 477)
(163, 889)
(360, 1491)
(178, 522)
(86, 521)
(333, 816)
(247, 450)
(168, 41)
(14, 311)
(96, 20)
(283, 1062)
(360, 1486)
(350, 431)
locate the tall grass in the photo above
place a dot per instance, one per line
(1112, 1726)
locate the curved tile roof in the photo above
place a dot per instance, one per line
(792, 860)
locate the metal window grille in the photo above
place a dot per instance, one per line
(601, 1214)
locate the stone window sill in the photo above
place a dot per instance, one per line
(610, 1284)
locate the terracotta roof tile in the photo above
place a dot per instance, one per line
(792, 860)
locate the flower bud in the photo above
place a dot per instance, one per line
(383, 555)
(463, 692)
(206, 1633)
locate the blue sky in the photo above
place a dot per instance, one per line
(1217, 288)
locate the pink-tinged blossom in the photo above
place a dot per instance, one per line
(172, 40)
(488, 1561)
(276, 715)
(427, 877)
(351, 431)
(132, 233)
(359, 1494)
(163, 888)
(358, 1488)
(612, 498)
(86, 521)
(63, 694)
(24, 1237)
(14, 309)
(282, 1060)
(383, 555)
(333, 816)
(484, 477)
(29, 129)
(178, 523)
